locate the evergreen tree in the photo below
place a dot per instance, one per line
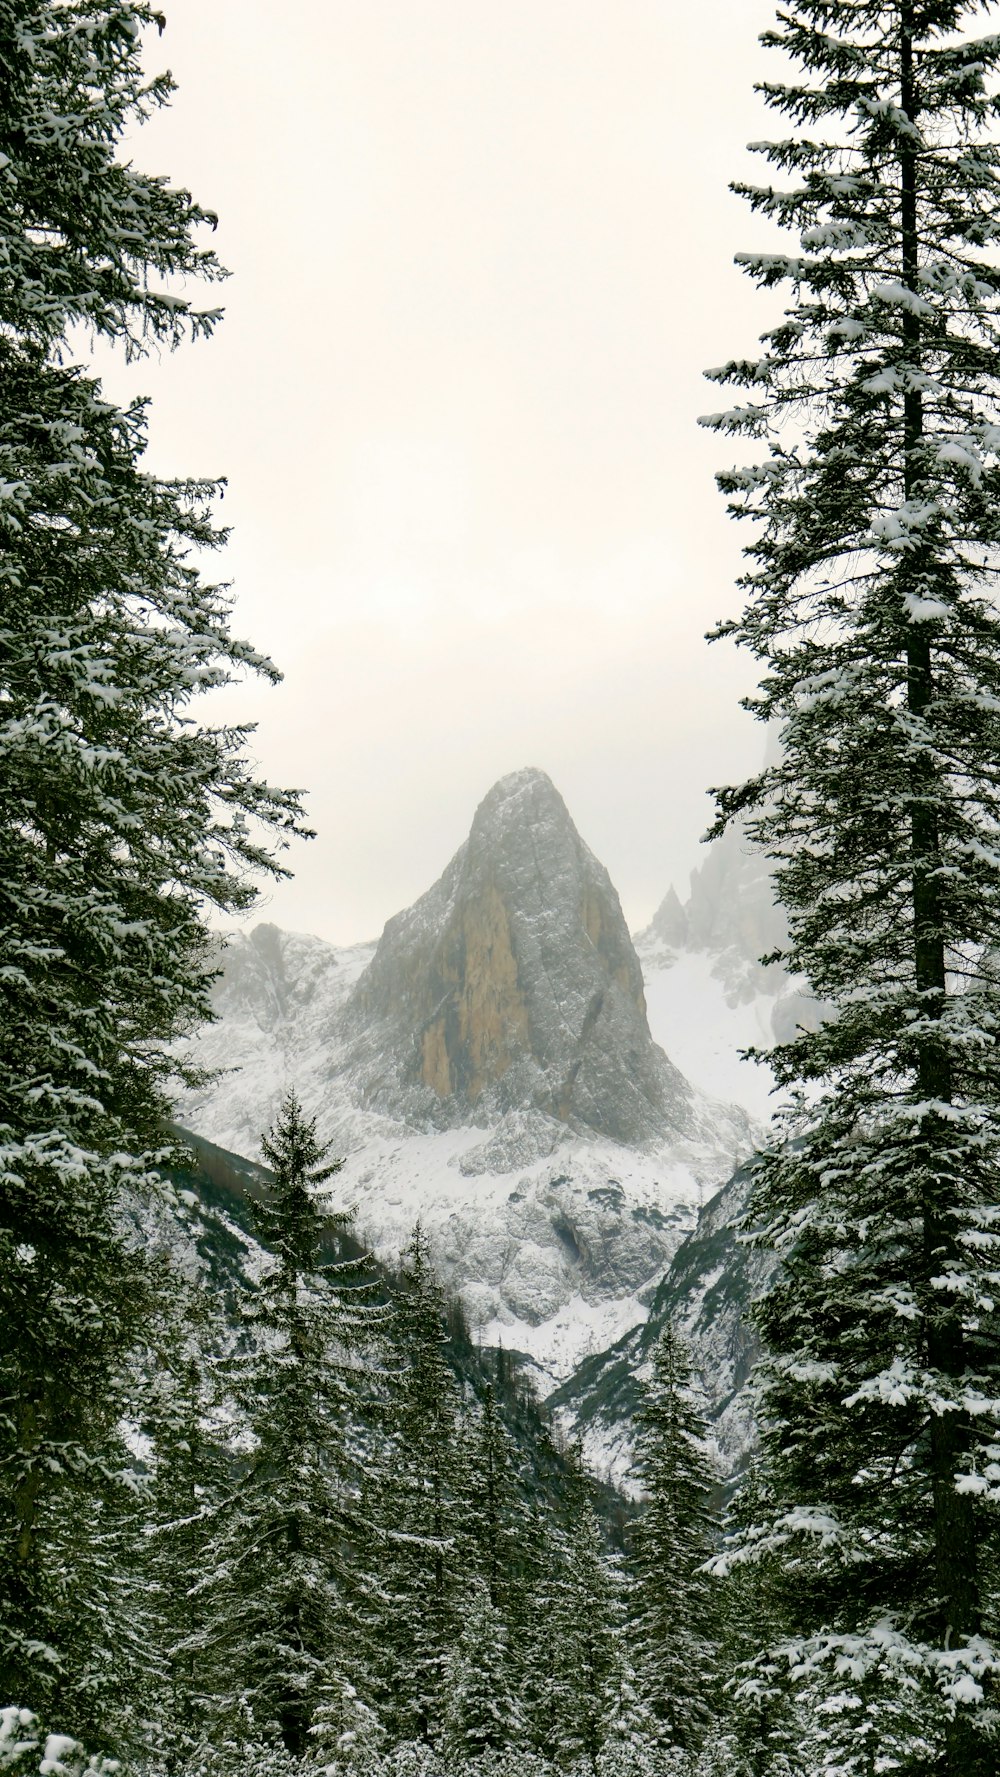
(418, 1509)
(871, 605)
(347, 1733)
(632, 1740)
(120, 817)
(26, 1750)
(494, 1514)
(676, 1626)
(543, 1684)
(570, 1633)
(284, 1611)
(481, 1712)
(193, 1468)
(760, 1728)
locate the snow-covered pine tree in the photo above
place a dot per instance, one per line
(567, 1632)
(675, 1603)
(871, 605)
(493, 1519)
(193, 1465)
(481, 1710)
(759, 1728)
(120, 816)
(417, 1507)
(347, 1736)
(27, 1750)
(536, 1637)
(281, 1630)
(632, 1740)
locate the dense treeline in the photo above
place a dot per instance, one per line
(344, 1543)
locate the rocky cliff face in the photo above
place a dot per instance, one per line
(706, 1294)
(730, 914)
(513, 985)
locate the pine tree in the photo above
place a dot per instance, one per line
(675, 1606)
(120, 817)
(569, 1629)
(759, 1726)
(26, 1749)
(632, 1741)
(871, 606)
(347, 1733)
(494, 1514)
(280, 1641)
(542, 1678)
(418, 1509)
(481, 1712)
(193, 1468)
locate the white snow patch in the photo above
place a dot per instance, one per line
(580, 1329)
(694, 1018)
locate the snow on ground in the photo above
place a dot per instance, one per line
(703, 1027)
(550, 1259)
(557, 1347)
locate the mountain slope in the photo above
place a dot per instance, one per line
(708, 993)
(213, 1233)
(706, 1292)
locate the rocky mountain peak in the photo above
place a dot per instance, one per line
(513, 984)
(669, 926)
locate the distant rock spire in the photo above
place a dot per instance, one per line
(669, 925)
(513, 984)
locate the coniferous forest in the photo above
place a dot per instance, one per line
(265, 1506)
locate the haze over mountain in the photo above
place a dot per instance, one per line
(488, 1067)
(709, 995)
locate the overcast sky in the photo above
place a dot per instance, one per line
(481, 252)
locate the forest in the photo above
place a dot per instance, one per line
(265, 1507)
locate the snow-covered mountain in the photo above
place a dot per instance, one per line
(488, 1068)
(709, 996)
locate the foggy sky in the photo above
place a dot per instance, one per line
(481, 252)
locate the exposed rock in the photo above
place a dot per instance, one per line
(513, 984)
(709, 993)
(709, 1286)
(730, 914)
(669, 925)
(521, 1138)
(277, 1005)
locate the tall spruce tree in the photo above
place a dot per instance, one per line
(871, 604)
(120, 816)
(417, 1506)
(759, 1729)
(283, 1623)
(192, 1473)
(632, 1741)
(568, 1632)
(481, 1711)
(675, 1606)
(494, 1517)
